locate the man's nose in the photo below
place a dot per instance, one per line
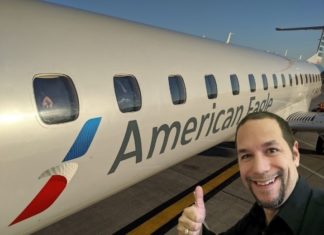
(261, 163)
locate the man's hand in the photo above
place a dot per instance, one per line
(190, 222)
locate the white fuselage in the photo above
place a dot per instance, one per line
(40, 38)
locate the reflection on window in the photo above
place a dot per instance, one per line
(275, 81)
(252, 83)
(128, 93)
(211, 86)
(265, 81)
(177, 89)
(56, 98)
(283, 79)
(235, 84)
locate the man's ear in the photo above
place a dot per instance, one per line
(295, 152)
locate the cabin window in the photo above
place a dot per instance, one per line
(283, 79)
(296, 78)
(264, 81)
(301, 79)
(235, 84)
(313, 79)
(252, 83)
(211, 86)
(290, 80)
(306, 78)
(127, 93)
(56, 98)
(177, 89)
(275, 81)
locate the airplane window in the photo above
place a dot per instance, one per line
(235, 84)
(283, 79)
(301, 79)
(128, 93)
(296, 78)
(275, 81)
(177, 89)
(56, 98)
(306, 78)
(265, 81)
(211, 86)
(252, 83)
(290, 80)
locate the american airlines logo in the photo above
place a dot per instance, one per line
(62, 174)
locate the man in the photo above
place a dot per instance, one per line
(268, 158)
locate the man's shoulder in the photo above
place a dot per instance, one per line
(314, 216)
(318, 197)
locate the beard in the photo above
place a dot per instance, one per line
(277, 201)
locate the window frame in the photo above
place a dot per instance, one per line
(283, 80)
(252, 82)
(53, 106)
(235, 84)
(275, 81)
(265, 81)
(126, 88)
(180, 89)
(211, 86)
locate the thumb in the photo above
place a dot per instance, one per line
(199, 198)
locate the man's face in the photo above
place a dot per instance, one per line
(268, 167)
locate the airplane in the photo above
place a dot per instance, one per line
(91, 104)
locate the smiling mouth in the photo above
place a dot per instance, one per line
(264, 182)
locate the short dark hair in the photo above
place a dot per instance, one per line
(286, 131)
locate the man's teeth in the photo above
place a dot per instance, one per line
(265, 182)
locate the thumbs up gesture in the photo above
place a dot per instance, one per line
(190, 222)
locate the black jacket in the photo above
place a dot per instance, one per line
(302, 214)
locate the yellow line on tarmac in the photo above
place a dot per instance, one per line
(163, 217)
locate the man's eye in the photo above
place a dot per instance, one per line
(245, 156)
(272, 150)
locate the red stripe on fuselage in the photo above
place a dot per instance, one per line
(45, 198)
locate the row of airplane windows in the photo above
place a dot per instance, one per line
(57, 99)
